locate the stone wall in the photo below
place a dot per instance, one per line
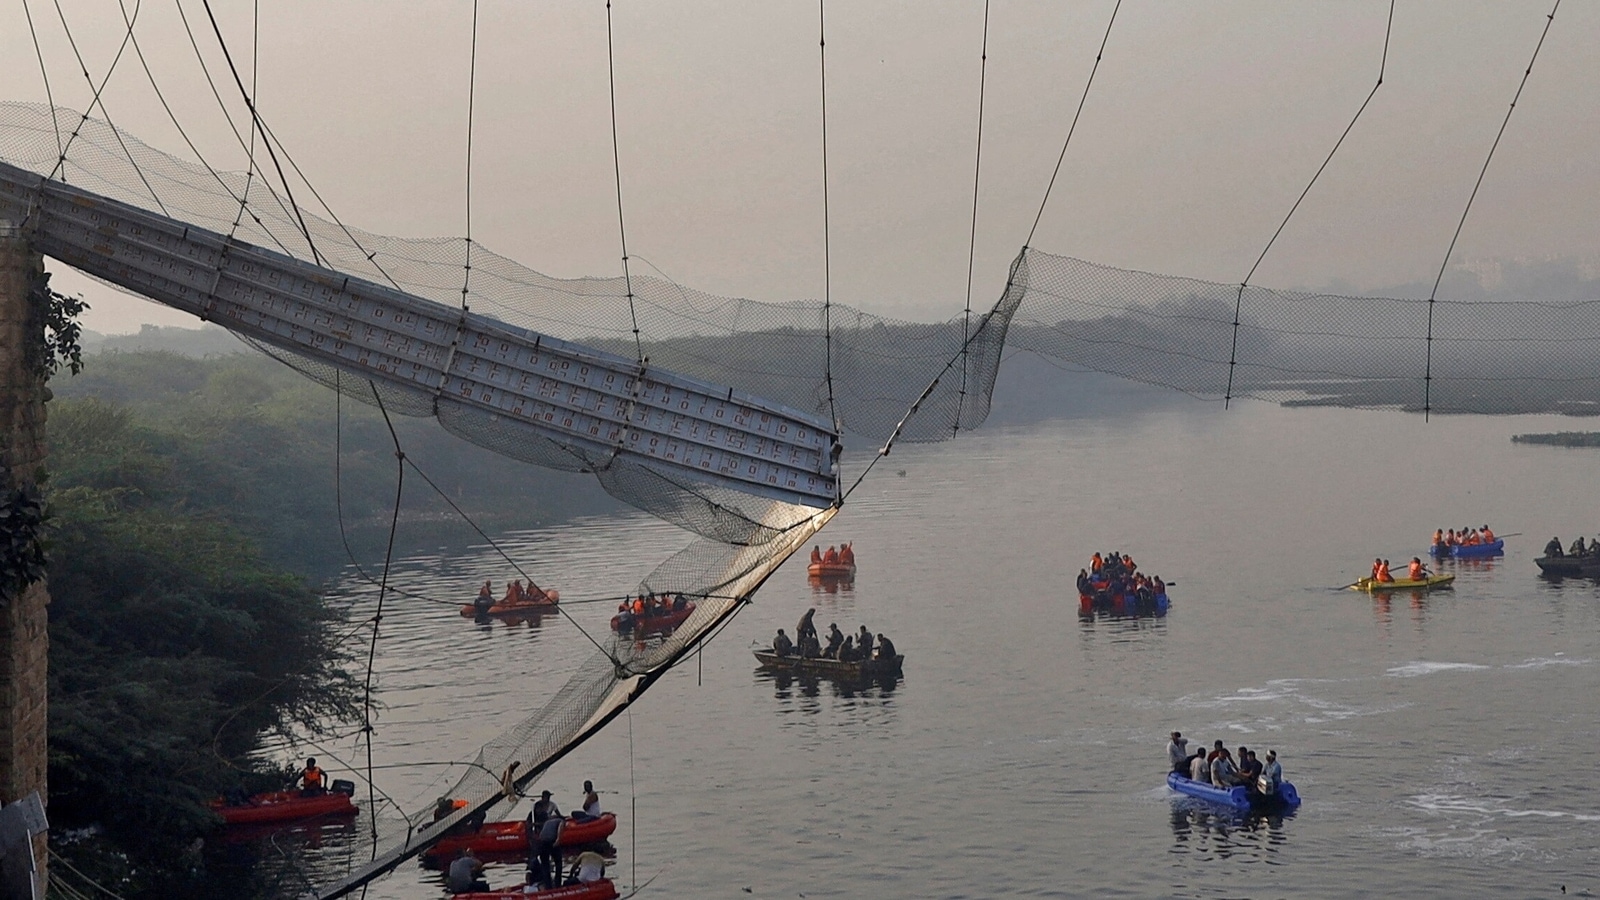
(24, 639)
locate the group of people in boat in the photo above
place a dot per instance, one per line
(1416, 570)
(633, 610)
(544, 824)
(1117, 575)
(516, 595)
(1466, 537)
(1578, 548)
(843, 555)
(1221, 769)
(807, 644)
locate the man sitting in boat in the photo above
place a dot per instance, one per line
(1577, 548)
(591, 805)
(831, 557)
(1383, 575)
(1416, 571)
(847, 555)
(1199, 769)
(313, 782)
(1271, 776)
(1249, 767)
(680, 603)
(847, 651)
(816, 554)
(465, 874)
(885, 648)
(1224, 774)
(781, 644)
(864, 643)
(1488, 536)
(515, 595)
(835, 640)
(588, 868)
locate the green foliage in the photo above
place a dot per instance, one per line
(22, 560)
(57, 316)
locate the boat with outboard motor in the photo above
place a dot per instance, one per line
(1427, 583)
(288, 806)
(1496, 547)
(1238, 797)
(628, 622)
(1569, 566)
(512, 837)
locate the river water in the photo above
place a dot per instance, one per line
(1444, 744)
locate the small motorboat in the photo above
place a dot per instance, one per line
(1123, 604)
(1496, 547)
(861, 668)
(628, 623)
(534, 605)
(288, 806)
(831, 570)
(1569, 566)
(512, 837)
(1374, 586)
(603, 889)
(1237, 797)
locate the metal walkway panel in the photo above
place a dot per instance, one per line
(599, 404)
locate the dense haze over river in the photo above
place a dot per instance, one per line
(1441, 741)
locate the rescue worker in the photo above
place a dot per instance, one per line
(831, 557)
(1488, 536)
(806, 628)
(1383, 572)
(1096, 563)
(1416, 571)
(781, 644)
(816, 554)
(864, 643)
(1553, 548)
(835, 639)
(313, 781)
(1377, 566)
(543, 809)
(485, 599)
(886, 648)
(847, 555)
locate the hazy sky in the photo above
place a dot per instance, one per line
(1205, 122)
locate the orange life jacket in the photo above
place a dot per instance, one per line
(311, 777)
(816, 555)
(1383, 573)
(1415, 571)
(831, 557)
(1488, 536)
(1438, 536)
(847, 555)
(1096, 563)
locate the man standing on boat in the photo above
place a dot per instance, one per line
(1178, 753)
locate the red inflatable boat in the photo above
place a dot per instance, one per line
(284, 806)
(649, 623)
(512, 837)
(545, 603)
(603, 889)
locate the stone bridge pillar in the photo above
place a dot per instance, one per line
(24, 640)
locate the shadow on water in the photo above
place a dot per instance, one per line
(789, 685)
(270, 860)
(1209, 831)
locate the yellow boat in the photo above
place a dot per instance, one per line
(1373, 586)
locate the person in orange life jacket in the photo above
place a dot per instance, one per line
(1416, 571)
(1377, 566)
(831, 556)
(816, 554)
(1383, 572)
(847, 555)
(1096, 563)
(485, 598)
(1488, 536)
(313, 781)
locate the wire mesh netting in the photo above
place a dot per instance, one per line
(1306, 348)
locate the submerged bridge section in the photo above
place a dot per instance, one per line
(545, 399)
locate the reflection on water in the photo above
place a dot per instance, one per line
(1209, 832)
(824, 585)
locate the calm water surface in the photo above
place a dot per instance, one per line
(1444, 744)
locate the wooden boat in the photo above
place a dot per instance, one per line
(1238, 797)
(866, 668)
(512, 837)
(604, 889)
(1496, 547)
(1373, 586)
(543, 604)
(650, 624)
(831, 570)
(284, 806)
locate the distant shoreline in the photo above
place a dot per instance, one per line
(1560, 439)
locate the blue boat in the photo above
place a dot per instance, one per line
(1235, 797)
(1496, 547)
